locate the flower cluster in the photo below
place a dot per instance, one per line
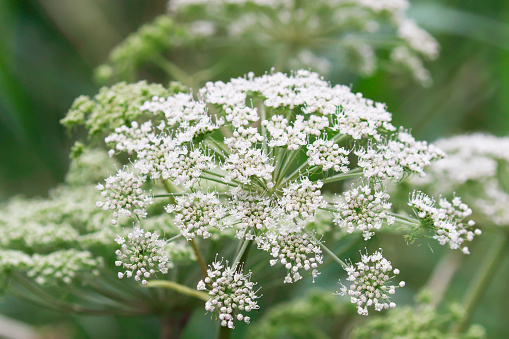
(294, 250)
(195, 213)
(63, 266)
(327, 154)
(364, 208)
(250, 158)
(302, 199)
(253, 212)
(123, 193)
(424, 320)
(396, 156)
(476, 167)
(142, 254)
(368, 283)
(231, 293)
(446, 220)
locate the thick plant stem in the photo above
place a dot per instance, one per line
(171, 285)
(478, 286)
(166, 328)
(172, 324)
(199, 257)
(223, 332)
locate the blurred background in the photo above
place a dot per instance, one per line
(49, 50)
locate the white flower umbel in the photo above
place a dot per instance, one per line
(124, 195)
(251, 158)
(195, 213)
(64, 266)
(302, 199)
(142, 254)
(244, 165)
(327, 154)
(364, 208)
(395, 156)
(294, 249)
(231, 293)
(369, 279)
(130, 139)
(477, 168)
(446, 220)
(253, 213)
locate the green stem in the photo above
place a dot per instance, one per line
(218, 149)
(167, 195)
(478, 286)
(213, 173)
(171, 285)
(218, 180)
(199, 257)
(223, 332)
(169, 187)
(329, 252)
(294, 173)
(337, 139)
(405, 220)
(174, 238)
(280, 162)
(242, 250)
(328, 209)
(263, 129)
(355, 173)
(173, 70)
(288, 163)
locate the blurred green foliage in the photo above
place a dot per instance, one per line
(49, 49)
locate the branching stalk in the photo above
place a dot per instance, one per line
(241, 252)
(329, 252)
(355, 173)
(199, 257)
(171, 285)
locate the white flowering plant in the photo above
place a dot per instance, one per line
(280, 164)
(203, 196)
(477, 169)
